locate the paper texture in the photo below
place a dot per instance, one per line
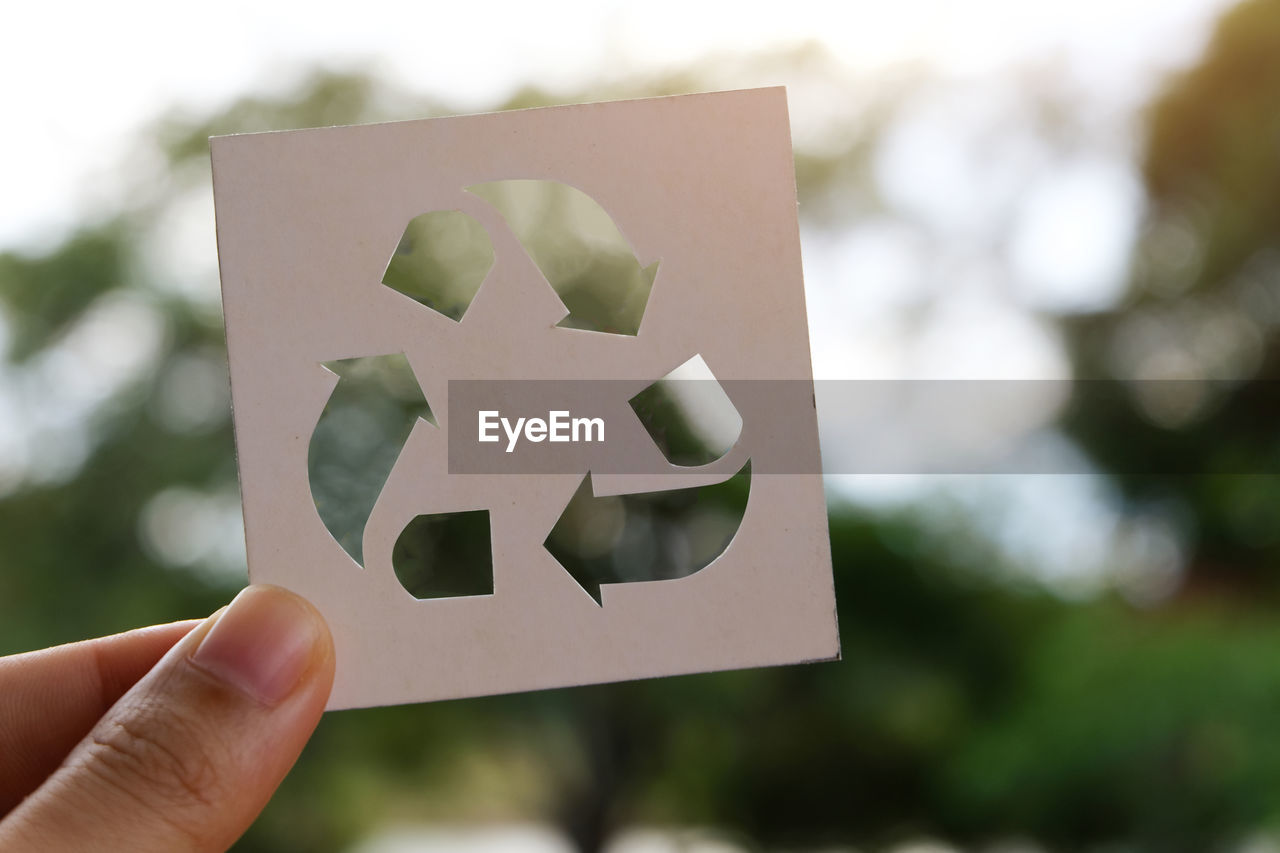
(700, 185)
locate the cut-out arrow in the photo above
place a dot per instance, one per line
(440, 262)
(358, 439)
(688, 415)
(647, 536)
(579, 251)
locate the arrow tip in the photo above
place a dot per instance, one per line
(562, 542)
(577, 570)
(651, 273)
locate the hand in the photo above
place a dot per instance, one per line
(169, 738)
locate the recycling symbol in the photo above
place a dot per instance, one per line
(444, 262)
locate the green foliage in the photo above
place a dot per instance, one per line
(42, 295)
(1211, 154)
(1153, 729)
(965, 707)
(1200, 328)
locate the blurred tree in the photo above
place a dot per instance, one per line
(1197, 341)
(967, 706)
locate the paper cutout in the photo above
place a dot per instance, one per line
(318, 234)
(357, 439)
(688, 415)
(650, 536)
(579, 251)
(440, 262)
(445, 554)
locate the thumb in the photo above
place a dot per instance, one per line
(190, 755)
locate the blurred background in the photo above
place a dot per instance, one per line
(1071, 190)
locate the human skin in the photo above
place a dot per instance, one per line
(169, 738)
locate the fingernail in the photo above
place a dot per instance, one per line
(262, 644)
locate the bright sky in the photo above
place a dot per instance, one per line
(82, 78)
(79, 77)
